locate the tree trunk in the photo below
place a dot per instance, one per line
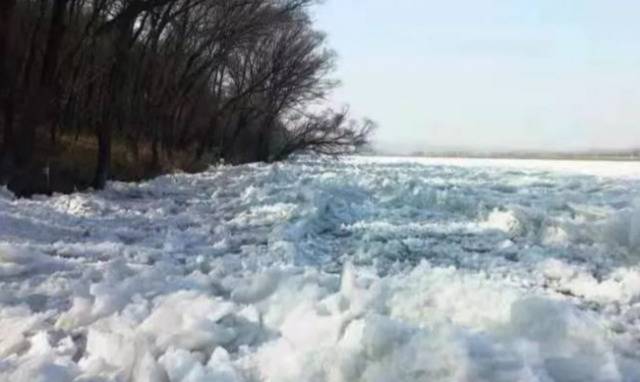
(7, 137)
(40, 104)
(202, 148)
(263, 145)
(228, 149)
(104, 157)
(54, 43)
(264, 139)
(6, 89)
(53, 133)
(26, 136)
(155, 152)
(121, 48)
(30, 60)
(6, 16)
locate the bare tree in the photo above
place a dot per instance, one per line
(327, 133)
(202, 79)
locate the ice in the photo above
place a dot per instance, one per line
(183, 366)
(623, 228)
(189, 320)
(258, 288)
(20, 260)
(365, 269)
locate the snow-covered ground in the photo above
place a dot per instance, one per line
(369, 269)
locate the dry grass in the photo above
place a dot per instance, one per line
(73, 160)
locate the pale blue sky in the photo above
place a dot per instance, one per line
(490, 74)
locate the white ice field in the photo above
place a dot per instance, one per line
(368, 269)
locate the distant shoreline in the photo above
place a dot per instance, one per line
(627, 157)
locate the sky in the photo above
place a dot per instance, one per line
(489, 74)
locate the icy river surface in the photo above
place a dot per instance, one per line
(366, 269)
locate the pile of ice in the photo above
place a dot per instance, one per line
(365, 270)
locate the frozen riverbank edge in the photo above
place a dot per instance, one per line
(369, 269)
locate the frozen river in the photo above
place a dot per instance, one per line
(367, 269)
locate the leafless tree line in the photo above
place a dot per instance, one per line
(239, 80)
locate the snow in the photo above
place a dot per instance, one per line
(367, 269)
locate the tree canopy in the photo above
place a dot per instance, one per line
(233, 80)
